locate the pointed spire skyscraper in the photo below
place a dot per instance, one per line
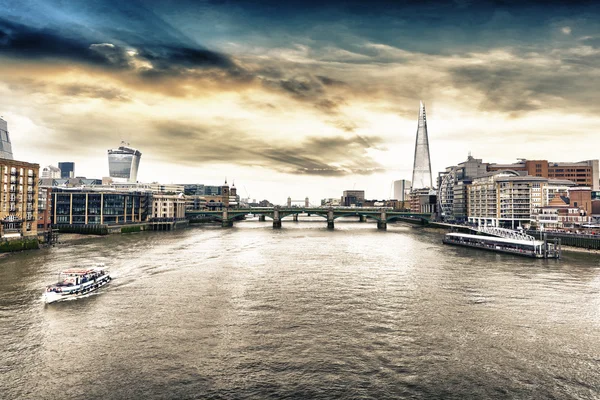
(421, 177)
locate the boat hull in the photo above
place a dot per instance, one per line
(75, 291)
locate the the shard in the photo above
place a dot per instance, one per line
(5, 145)
(421, 177)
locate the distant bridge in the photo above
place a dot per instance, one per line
(277, 214)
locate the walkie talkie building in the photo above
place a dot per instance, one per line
(123, 163)
(5, 146)
(421, 177)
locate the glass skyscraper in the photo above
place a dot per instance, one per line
(67, 169)
(421, 177)
(5, 146)
(123, 163)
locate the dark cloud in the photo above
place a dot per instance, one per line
(566, 80)
(324, 156)
(329, 81)
(26, 42)
(301, 88)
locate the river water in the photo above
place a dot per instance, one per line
(300, 312)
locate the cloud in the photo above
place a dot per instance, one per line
(25, 42)
(314, 155)
(147, 59)
(564, 79)
(566, 30)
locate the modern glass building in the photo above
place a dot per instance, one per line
(123, 163)
(5, 146)
(78, 206)
(421, 177)
(67, 170)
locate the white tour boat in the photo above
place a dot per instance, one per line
(75, 282)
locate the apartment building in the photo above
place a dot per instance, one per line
(18, 199)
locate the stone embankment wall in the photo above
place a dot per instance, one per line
(575, 240)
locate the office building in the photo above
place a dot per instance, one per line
(123, 163)
(67, 170)
(51, 172)
(99, 206)
(5, 144)
(201, 190)
(423, 200)
(153, 187)
(421, 177)
(582, 173)
(213, 199)
(401, 190)
(452, 192)
(353, 198)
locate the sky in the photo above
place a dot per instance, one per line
(298, 98)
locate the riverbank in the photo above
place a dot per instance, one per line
(565, 248)
(572, 249)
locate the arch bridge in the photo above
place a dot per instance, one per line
(228, 216)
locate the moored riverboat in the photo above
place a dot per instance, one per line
(527, 248)
(76, 282)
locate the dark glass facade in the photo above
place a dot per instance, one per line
(67, 169)
(99, 208)
(123, 164)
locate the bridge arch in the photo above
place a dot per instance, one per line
(283, 214)
(358, 214)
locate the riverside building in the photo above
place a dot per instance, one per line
(582, 173)
(18, 199)
(453, 184)
(560, 213)
(73, 207)
(507, 199)
(168, 207)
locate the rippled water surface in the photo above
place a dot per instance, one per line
(301, 312)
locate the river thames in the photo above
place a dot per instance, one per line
(301, 312)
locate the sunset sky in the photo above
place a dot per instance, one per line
(298, 98)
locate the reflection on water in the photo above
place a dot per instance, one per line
(303, 312)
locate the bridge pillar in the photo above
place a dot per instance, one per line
(295, 217)
(362, 218)
(276, 219)
(330, 223)
(383, 223)
(226, 222)
(262, 218)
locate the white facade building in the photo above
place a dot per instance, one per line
(168, 206)
(51, 172)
